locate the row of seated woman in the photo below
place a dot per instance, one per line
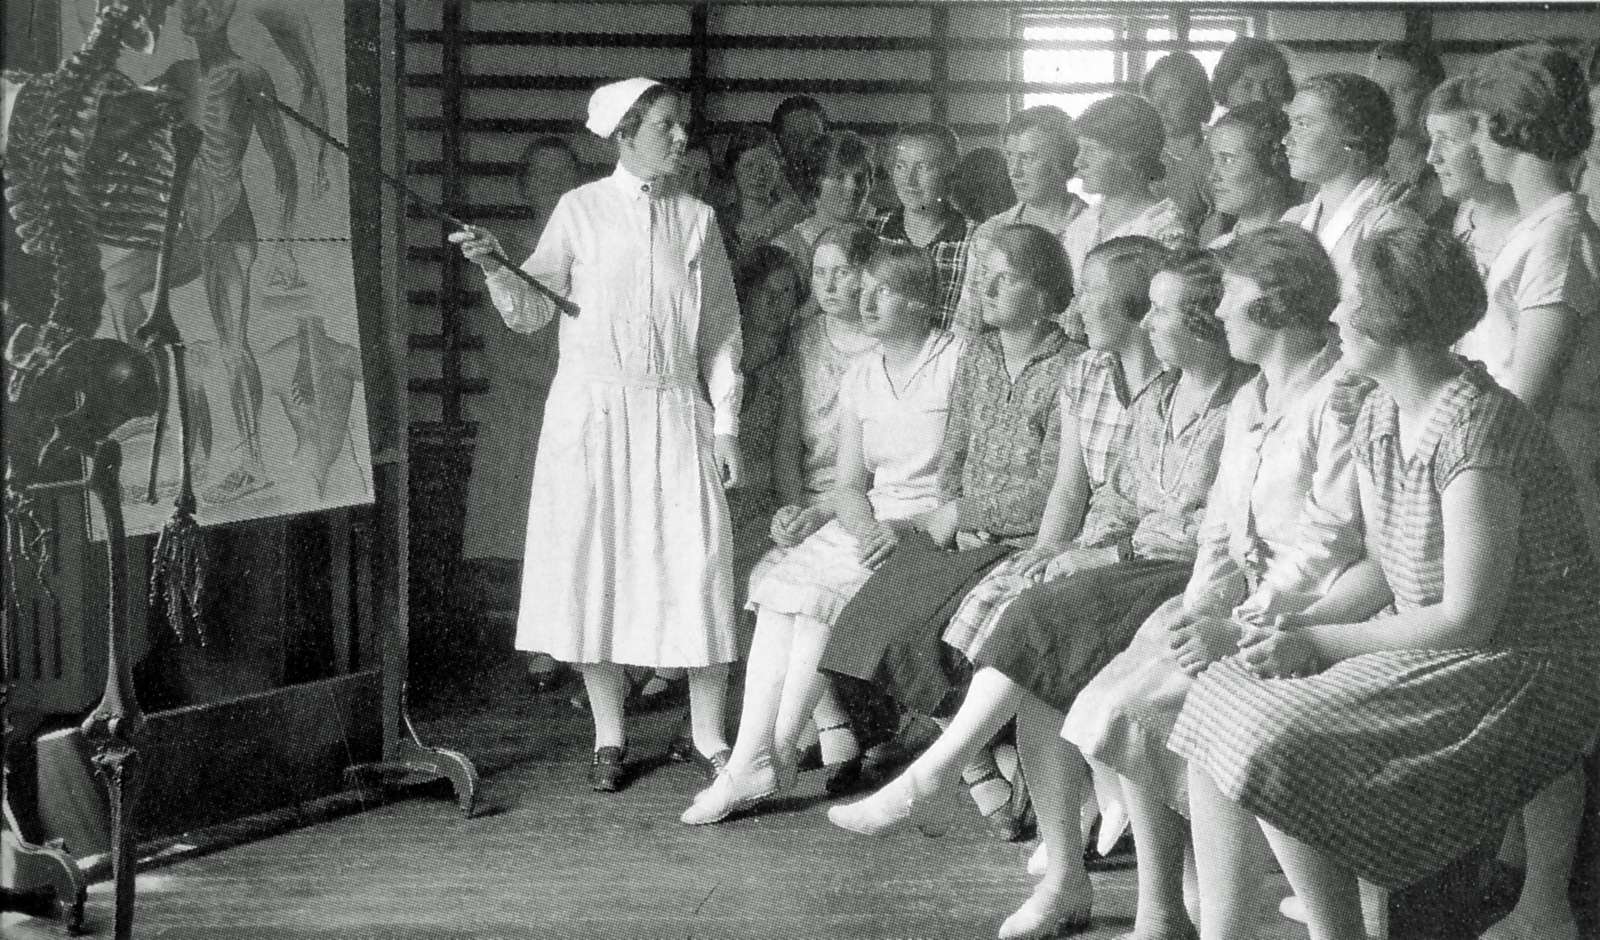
(1263, 560)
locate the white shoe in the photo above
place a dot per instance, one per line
(898, 803)
(1039, 861)
(1113, 823)
(1043, 916)
(728, 795)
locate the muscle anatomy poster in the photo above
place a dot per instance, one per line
(261, 272)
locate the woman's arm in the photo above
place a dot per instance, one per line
(958, 427)
(853, 480)
(1482, 516)
(1544, 338)
(1069, 495)
(521, 307)
(1359, 594)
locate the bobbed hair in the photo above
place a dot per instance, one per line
(1190, 76)
(1131, 261)
(1056, 126)
(759, 264)
(1536, 100)
(1298, 282)
(1037, 256)
(854, 240)
(1362, 110)
(1243, 53)
(835, 154)
(1451, 98)
(1128, 125)
(1427, 282)
(1267, 125)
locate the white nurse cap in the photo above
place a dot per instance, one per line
(610, 102)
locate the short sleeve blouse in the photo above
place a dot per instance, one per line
(1552, 256)
(902, 429)
(1554, 598)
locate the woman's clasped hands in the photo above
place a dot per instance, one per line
(1198, 640)
(1284, 650)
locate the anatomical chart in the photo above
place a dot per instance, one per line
(262, 287)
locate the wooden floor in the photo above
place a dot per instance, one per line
(548, 858)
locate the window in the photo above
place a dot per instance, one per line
(1094, 54)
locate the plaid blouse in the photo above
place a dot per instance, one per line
(1168, 471)
(1003, 438)
(1095, 391)
(948, 250)
(1553, 601)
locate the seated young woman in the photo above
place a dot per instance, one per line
(1385, 747)
(1250, 184)
(892, 413)
(1259, 550)
(1001, 444)
(822, 345)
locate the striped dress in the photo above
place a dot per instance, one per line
(1397, 762)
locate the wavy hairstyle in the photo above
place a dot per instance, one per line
(1537, 101)
(1298, 282)
(1427, 281)
(1362, 110)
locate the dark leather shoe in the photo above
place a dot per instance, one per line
(549, 680)
(607, 769)
(681, 750)
(846, 777)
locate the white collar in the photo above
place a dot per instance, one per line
(1346, 215)
(634, 185)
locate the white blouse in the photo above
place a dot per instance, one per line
(1285, 498)
(902, 429)
(1551, 256)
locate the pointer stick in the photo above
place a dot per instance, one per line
(563, 304)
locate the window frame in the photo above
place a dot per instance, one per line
(1134, 52)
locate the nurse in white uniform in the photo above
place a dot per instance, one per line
(628, 558)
